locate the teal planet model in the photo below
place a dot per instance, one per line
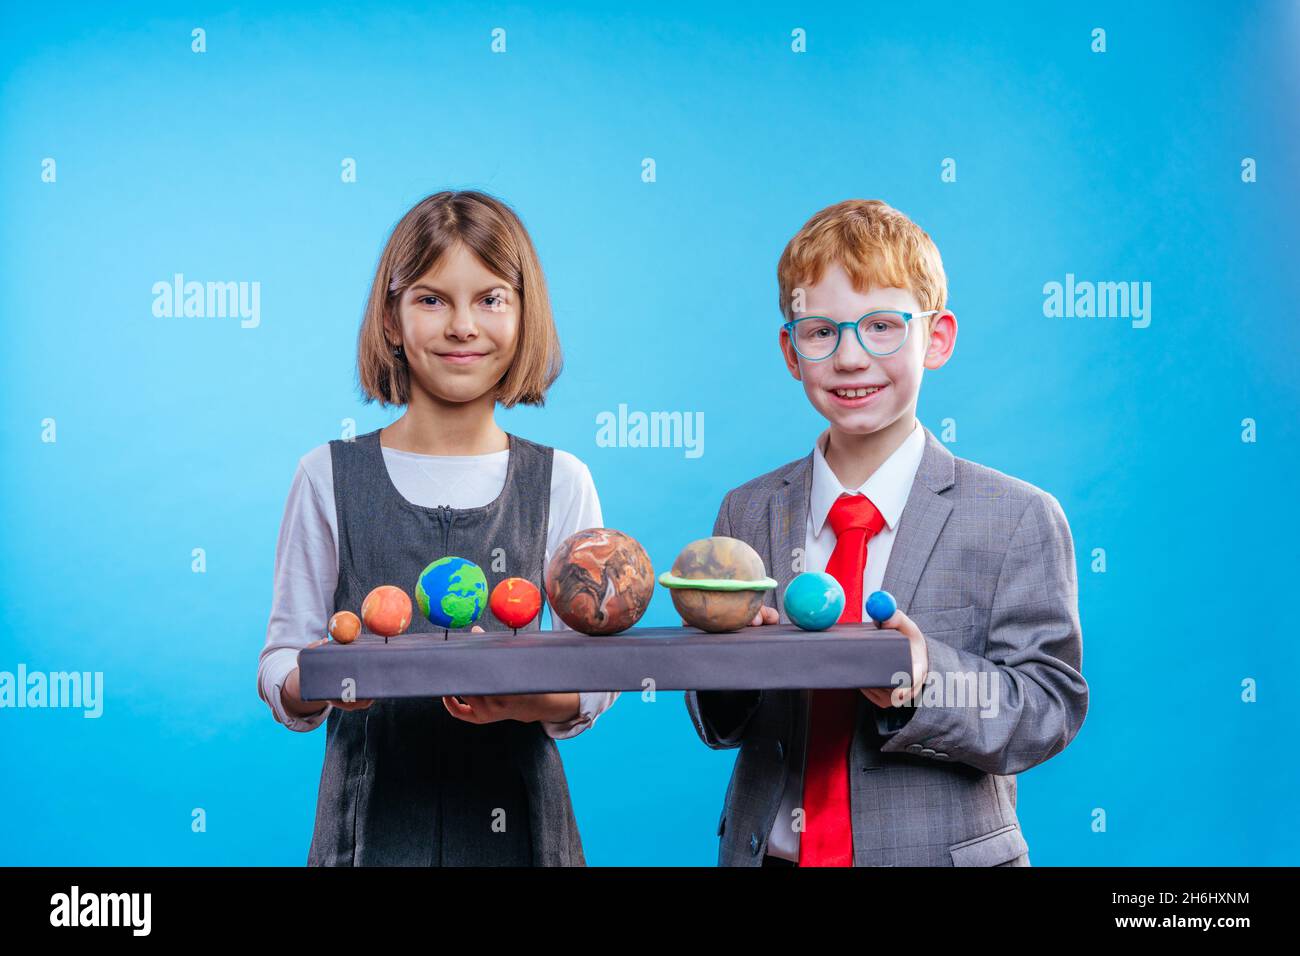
(814, 600)
(452, 592)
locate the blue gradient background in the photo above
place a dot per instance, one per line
(183, 433)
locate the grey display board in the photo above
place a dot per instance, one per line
(775, 656)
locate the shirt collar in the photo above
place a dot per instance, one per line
(888, 487)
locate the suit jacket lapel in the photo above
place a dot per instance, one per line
(923, 518)
(787, 524)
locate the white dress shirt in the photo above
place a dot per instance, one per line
(888, 488)
(307, 562)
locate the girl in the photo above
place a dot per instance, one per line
(458, 320)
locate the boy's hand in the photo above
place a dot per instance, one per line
(487, 709)
(897, 696)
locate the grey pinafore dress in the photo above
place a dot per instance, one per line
(404, 783)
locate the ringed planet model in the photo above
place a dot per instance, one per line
(717, 583)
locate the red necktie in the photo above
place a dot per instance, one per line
(827, 839)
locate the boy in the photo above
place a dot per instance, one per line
(982, 563)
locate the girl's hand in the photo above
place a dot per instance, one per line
(521, 707)
(524, 708)
(488, 709)
(291, 695)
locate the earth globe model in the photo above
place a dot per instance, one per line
(717, 583)
(814, 600)
(451, 592)
(599, 581)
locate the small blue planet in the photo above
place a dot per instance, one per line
(881, 606)
(814, 600)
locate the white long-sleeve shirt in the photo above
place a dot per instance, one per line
(307, 557)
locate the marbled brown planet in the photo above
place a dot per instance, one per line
(599, 581)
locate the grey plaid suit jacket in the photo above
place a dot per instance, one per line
(984, 564)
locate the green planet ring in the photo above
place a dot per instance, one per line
(670, 580)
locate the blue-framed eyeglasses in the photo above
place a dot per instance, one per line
(883, 332)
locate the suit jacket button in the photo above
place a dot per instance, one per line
(780, 751)
(939, 756)
(753, 844)
(914, 748)
(927, 752)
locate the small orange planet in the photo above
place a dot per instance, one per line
(344, 627)
(386, 610)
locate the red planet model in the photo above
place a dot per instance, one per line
(515, 602)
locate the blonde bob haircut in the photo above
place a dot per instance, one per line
(491, 230)
(876, 245)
